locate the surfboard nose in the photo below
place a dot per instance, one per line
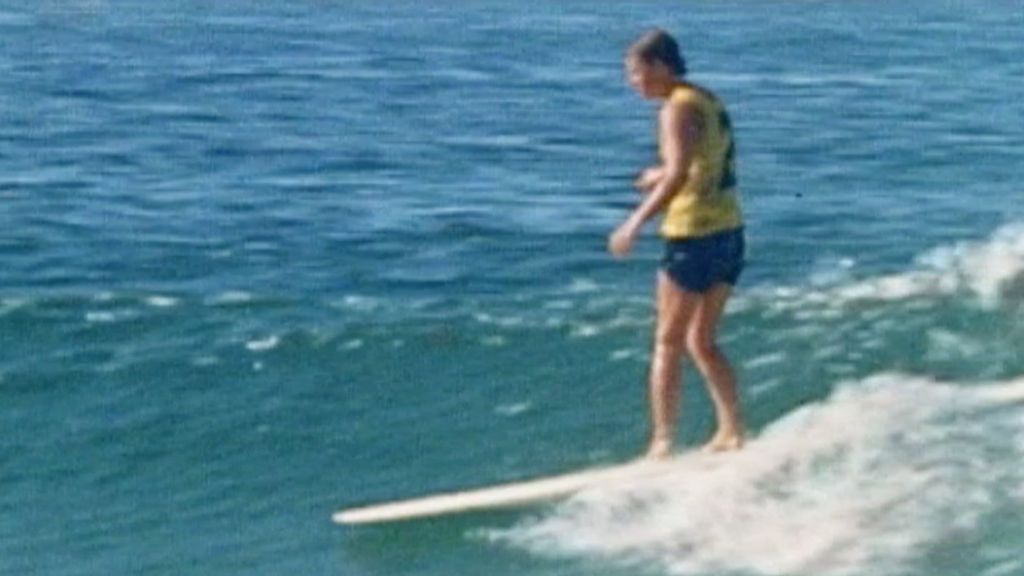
(512, 495)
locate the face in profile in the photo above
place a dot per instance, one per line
(649, 79)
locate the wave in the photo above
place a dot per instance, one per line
(991, 270)
(876, 478)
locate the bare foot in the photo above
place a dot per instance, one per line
(723, 442)
(660, 449)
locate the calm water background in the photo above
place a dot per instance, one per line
(263, 260)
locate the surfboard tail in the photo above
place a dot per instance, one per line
(1011, 393)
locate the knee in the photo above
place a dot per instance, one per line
(669, 341)
(701, 346)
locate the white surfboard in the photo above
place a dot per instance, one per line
(515, 494)
(1009, 393)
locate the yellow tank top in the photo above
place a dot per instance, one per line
(708, 201)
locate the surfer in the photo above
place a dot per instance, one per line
(694, 187)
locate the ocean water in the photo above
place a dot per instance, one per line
(262, 260)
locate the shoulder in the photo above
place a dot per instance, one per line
(684, 99)
(702, 97)
(681, 112)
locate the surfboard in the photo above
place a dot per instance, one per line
(503, 496)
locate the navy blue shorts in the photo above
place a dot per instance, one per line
(697, 264)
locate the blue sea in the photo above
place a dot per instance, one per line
(263, 260)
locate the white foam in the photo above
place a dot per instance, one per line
(359, 303)
(583, 286)
(994, 270)
(585, 331)
(513, 409)
(502, 322)
(832, 271)
(865, 482)
(268, 343)
(625, 354)
(158, 301)
(356, 344)
(765, 386)
(231, 297)
(763, 360)
(991, 270)
(108, 316)
(8, 305)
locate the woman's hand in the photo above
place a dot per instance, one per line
(621, 241)
(649, 178)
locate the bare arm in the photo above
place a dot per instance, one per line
(679, 128)
(648, 179)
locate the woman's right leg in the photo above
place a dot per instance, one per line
(702, 347)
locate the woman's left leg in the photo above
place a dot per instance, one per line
(675, 309)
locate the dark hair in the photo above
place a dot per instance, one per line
(659, 46)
